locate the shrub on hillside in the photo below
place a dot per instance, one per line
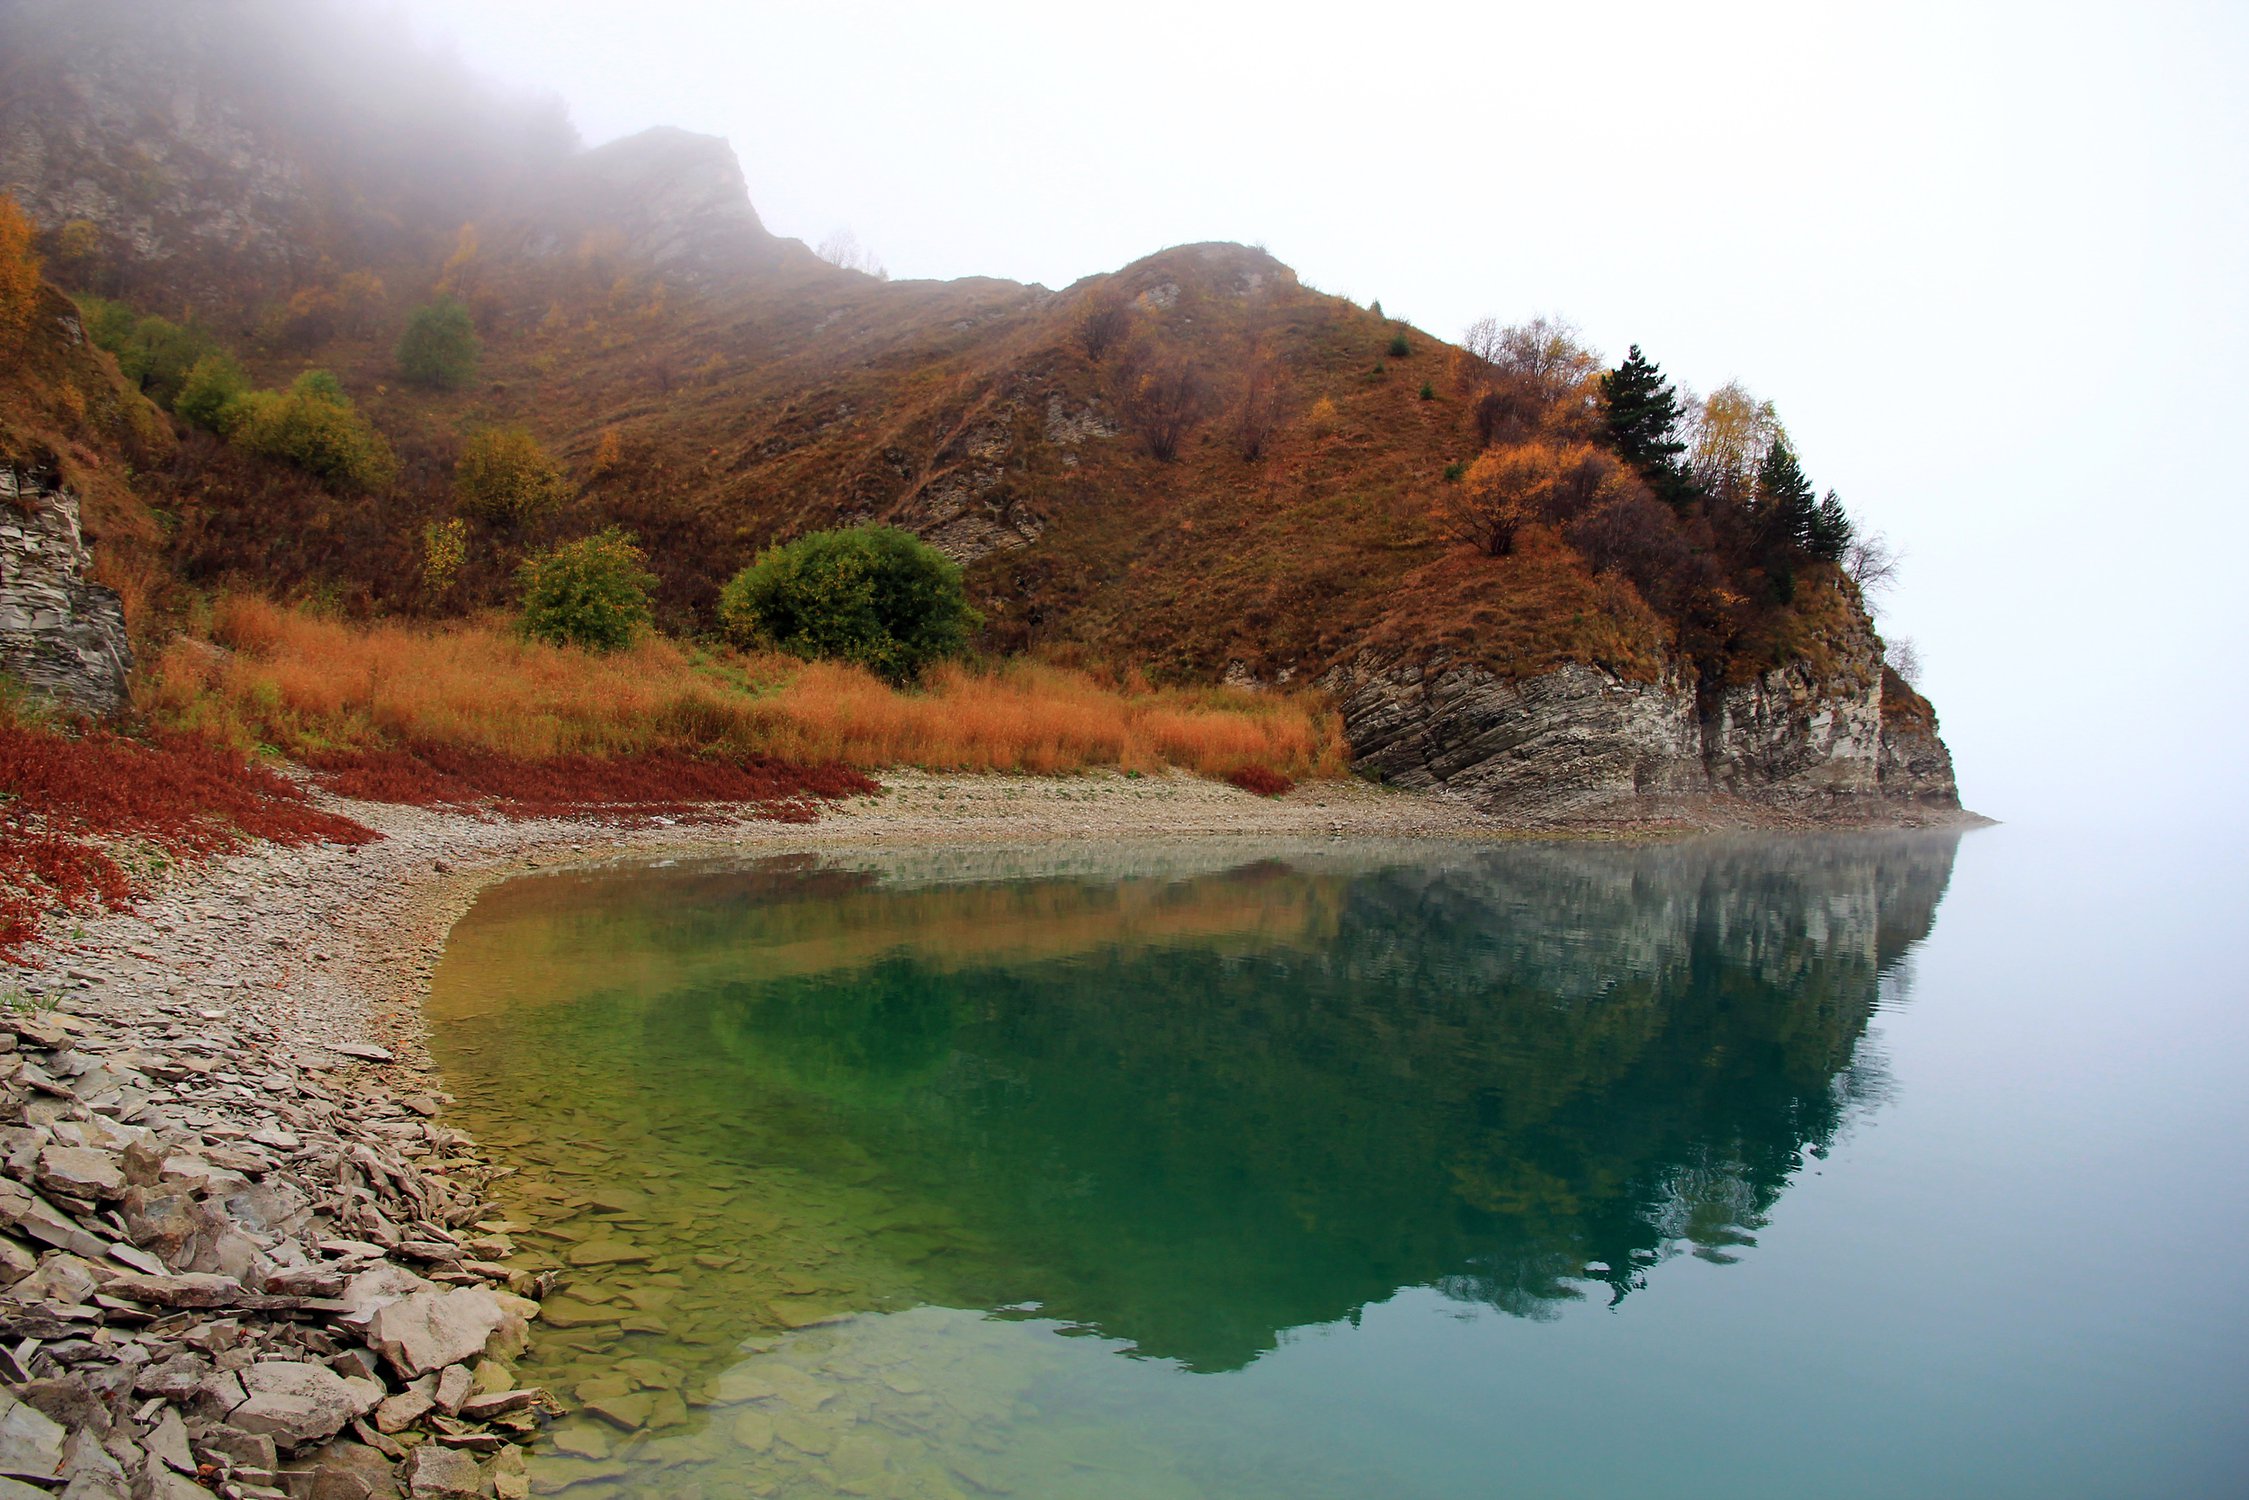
(592, 592)
(873, 595)
(212, 394)
(505, 477)
(314, 426)
(156, 354)
(1399, 348)
(438, 348)
(19, 274)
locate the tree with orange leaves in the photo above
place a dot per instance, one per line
(19, 274)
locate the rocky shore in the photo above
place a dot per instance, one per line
(242, 1253)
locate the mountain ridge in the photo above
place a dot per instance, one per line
(716, 388)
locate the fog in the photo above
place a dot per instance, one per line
(1987, 259)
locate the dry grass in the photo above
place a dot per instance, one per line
(312, 686)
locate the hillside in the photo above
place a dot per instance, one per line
(1195, 466)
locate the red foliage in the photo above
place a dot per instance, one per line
(1261, 781)
(64, 801)
(665, 783)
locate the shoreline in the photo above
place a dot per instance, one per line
(254, 1032)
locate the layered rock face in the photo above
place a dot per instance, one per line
(61, 635)
(1579, 744)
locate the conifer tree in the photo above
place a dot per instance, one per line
(1786, 508)
(1640, 411)
(1831, 532)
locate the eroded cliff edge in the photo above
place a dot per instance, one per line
(61, 635)
(1844, 741)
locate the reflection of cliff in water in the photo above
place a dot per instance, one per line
(1483, 1073)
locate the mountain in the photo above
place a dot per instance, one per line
(1195, 465)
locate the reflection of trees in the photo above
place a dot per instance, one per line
(1483, 1072)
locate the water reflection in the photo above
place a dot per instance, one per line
(1175, 1101)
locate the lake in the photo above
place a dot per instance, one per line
(1827, 1166)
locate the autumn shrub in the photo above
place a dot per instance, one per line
(874, 596)
(314, 426)
(19, 274)
(439, 347)
(445, 548)
(1261, 781)
(505, 477)
(212, 394)
(591, 593)
(155, 353)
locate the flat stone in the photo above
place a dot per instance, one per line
(30, 1441)
(295, 1402)
(610, 1252)
(430, 1330)
(454, 1386)
(398, 1412)
(629, 1413)
(167, 1441)
(193, 1289)
(435, 1473)
(569, 1312)
(81, 1172)
(489, 1404)
(346, 1471)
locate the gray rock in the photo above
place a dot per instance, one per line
(194, 1289)
(167, 1442)
(344, 1471)
(30, 1441)
(435, 1473)
(91, 1472)
(61, 635)
(294, 1402)
(430, 1330)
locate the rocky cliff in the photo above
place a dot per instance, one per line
(1578, 744)
(61, 635)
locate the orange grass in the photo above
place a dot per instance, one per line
(311, 686)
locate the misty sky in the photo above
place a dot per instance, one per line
(1989, 259)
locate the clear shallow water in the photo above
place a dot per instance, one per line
(1853, 1166)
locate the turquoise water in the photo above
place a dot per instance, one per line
(1838, 1166)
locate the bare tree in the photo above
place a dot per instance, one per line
(1165, 398)
(1258, 404)
(1872, 564)
(1904, 658)
(842, 248)
(1105, 323)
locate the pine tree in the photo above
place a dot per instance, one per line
(1831, 530)
(1640, 411)
(1786, 509)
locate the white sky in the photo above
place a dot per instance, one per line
(1989, 259)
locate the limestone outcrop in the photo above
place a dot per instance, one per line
(1579, 744)
(61, 635)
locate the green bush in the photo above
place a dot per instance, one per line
(314, 426)
(213, 393)
(439, 346)
(1399, 348)
(156, 354)
(1428, 391)
(592, 592)
(505, 477)
(873, 595)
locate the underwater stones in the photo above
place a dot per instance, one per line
(607, 1252)
(628, 1412)
(570, 1312)
(753, 1430)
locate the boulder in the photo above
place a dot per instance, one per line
(294, 1402)
(343, 1471)
(435, 1473)
(30, 1441)
(195, 1289)
(430, 1330)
